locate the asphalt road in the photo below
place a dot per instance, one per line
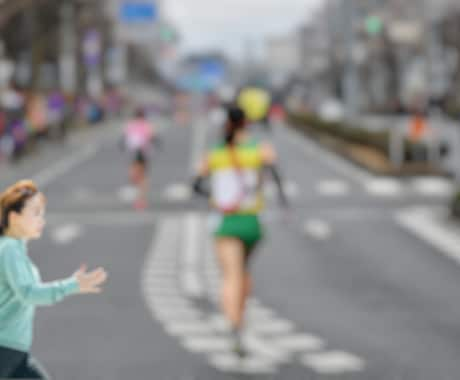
(359, 280)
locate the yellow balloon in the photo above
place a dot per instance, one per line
(254, 102)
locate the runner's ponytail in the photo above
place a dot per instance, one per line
(236, 121)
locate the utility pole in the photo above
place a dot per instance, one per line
(350, 78)
(67, 59)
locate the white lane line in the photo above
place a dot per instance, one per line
(66, 234)
(207, 344)
(433, 186)
(317, 229)
(163, 243)
(178, 192)
(220, 323)
(253, 302)
(384, 187)
(290, 188)
(159, 292)
(162, 282)
(339, 165)
(127, 194)
(190, 279)
(333, 362)
(177, 314)
(259, 312)
(164, 272)
(50, 174)
(333, 188)
(297, 342)
(423, 223)
(273, 326)
(105, 218)
(251, 365)
(270, 341)
(212, 276)
(191, 328)
(260, 347)
(171, 303)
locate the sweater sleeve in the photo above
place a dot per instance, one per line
(30, 291)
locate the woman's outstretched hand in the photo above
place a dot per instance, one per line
(90, 282)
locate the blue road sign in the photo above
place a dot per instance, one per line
(138, 12)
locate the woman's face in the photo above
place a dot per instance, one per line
(31, 221)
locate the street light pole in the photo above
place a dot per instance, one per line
(349, 80)
(67, 59)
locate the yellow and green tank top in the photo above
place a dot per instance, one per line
(235, 178)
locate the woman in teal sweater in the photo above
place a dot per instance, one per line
(22, 209)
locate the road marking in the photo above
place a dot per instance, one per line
(298, 342)
(317, 229)
(260, 347)
(191, 328)
(333, 362)
(178, 193)
(273, 326)
(105, 218)
(207, 344)
(433, 186)
(290, 188)
(220, 323)
(190, 279)
(166, 316)
(270, 341)
(163, 243)
(50, 174)
(384, 187)
(259, 312)
(333, 188)
(127, 194)
(250, 365)
(423, 223)
(66, 234)
(171, 303)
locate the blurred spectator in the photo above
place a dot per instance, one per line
(56, 111)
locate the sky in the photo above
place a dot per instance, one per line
(233, 25)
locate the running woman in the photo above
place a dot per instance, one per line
(235, 168)
(22, 218)
(138, 136)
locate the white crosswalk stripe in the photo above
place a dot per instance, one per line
(290, 188)
(272, 326)
(251, 365)
(298, 342)
(433, 186)
(66, 234)
(127, 194)
(333, 363)
(384, 187)
(270, 341)
(178, 192)
(333, 188)
(317, 229)
(208, 344)
(188, 328)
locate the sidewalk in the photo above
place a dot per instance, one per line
(445, 129)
